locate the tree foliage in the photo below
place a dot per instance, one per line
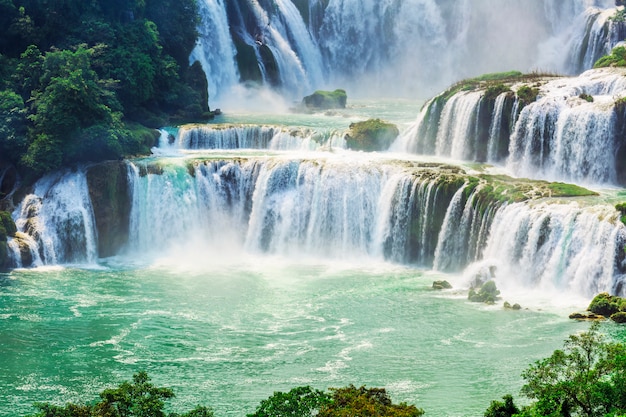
(371, 402)
(139, 398)
(299, 402)
(586, 378)
(76, 74)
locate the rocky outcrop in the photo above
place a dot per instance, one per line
(7, 229)
(111, 201)
(371, 135)
(325, 100)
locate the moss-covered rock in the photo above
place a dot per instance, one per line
(7, 229)
(324, 100)
(110, 198)
(488, 293)
(607, 305)
(371, 135)
(441, 285)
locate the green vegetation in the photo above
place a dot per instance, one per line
(621, 207)
(586, 97)
(527, 94)
(586, 378)
(137, 399)
(371, 135)
(617, 58)
(607, 305)
(7, 229)
(493, 91)
(79, 77)
(322, 100)
(142, 399)
(300, 401)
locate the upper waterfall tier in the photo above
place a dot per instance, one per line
(554, 128)
(398, 47)
(428, 214)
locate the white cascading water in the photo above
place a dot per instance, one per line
(564, 137)
(457, 126)
(555, 247)
(256, 137)
(408, 47)
(57, 221)
(215, 49)
(561, 136)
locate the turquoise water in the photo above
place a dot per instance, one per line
(229, 333)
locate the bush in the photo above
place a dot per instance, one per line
(527, 94)
(617, 58)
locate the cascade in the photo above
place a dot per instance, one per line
(569, 133)
(256, 137)
(409, 47)
(429, 215)
(56, 222)
(214, 48)
(557, 246)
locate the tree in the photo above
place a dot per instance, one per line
(502, 409)
(299, 402)
(137, 399)
(586, 378)
(372, 402)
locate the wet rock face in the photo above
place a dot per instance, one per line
(110, 198)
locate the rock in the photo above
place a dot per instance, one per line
(110, 198)
(488, 293)
(586, 316)
(606, 305)
(441, 285)
(516, 307)
(619, 317)
(371, 135)
(324, 100)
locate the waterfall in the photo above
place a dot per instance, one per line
(56, 221)
(214, 48)
(257, 137)
(569, 133)
(408, 47)
(557, 246)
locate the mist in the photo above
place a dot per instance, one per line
(394, 48)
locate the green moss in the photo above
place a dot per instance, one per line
(488, 293)
(617, 58)
(607, 305)
(560, 189)
(499, 76)
(586, 97)
(371, 135)
(527, 94)
(326, 100)
(494, 91)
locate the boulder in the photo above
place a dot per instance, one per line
(441, 285)
(619, 317)
(606, 305)
(371, 135)
(488, 293)
(324, 100)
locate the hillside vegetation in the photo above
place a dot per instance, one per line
(81, 80)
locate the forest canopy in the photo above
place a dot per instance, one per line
(80, 80)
